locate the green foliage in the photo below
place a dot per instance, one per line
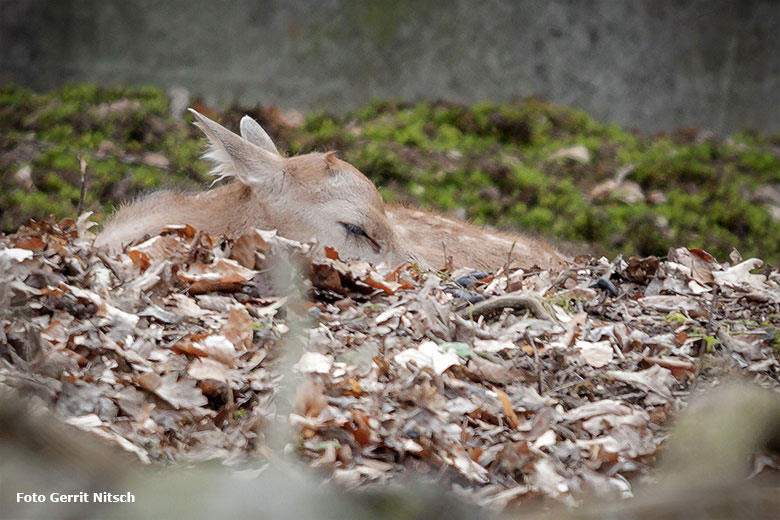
(491, 160)
(50, 130)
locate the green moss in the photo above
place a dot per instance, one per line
(81, 93)
(322, 130)
(39, 205)
(380, 163)
(13, 96)
(57, 133)
(58, 158)
(147, 177)
(152, 99)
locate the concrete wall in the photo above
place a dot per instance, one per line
(646, 64)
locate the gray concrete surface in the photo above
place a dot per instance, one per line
(645, 64)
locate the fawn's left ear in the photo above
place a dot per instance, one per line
(331, 160)
(254, 133)
(236, 157)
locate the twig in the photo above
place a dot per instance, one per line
(513, 301)
(508, 262)
(567, 385)
(111, 264)
(83, 167)
(670, 363)
(447, 259)
(538, 363)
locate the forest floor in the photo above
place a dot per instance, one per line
(521, 383)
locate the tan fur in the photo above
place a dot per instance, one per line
(228, 210)
(432, 236)
(313, 196)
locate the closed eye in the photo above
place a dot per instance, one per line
(357, 231)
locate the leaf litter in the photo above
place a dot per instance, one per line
(521, 384)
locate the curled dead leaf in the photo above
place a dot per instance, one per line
(221, 275)
(507, 405)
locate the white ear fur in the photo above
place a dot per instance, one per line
(236, 157)
(254, 133)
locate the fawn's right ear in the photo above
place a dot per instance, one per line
(252, 165)
(254, 133)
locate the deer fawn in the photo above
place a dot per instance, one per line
(315, 196)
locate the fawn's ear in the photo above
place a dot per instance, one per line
(331, 160)
(236, 157)
(254, 133)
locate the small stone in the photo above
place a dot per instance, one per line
(23, 176)
(179, 100)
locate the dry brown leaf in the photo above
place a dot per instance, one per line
(246, 248)
(507, 405)
(221, 275)
(640, 270)
(208, 369)
(238, 329)
(178, 393)
(655, 379)
(387, 287)
(331, 253)
(362, 429)
(310, 399)
(29, 243)
(157, 249)
(595, 353)
(219, 348)
(326, 277)
(189, 345)
(739, 276)
(678, 367)
(699, 262)
(481, 369)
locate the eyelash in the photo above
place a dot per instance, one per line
(353, 229)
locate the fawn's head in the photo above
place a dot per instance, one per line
(315, 195)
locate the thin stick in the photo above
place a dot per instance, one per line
(508, 262)
(83, 166)
(111, 264)
(538, 366)
(447, 259)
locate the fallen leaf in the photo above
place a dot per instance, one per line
(219, 348)
(178, 393)
(314, 363)
(597, 354)
(507, 405)
(655, 379)
(309, 399)
(238, 328)
(625, 191)
(208, 369)
(700, 263)
(221, 275)
(30, 243)
(428, 354)
(740, 275)
(578, 153)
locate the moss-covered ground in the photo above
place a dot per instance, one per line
(512, 166)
